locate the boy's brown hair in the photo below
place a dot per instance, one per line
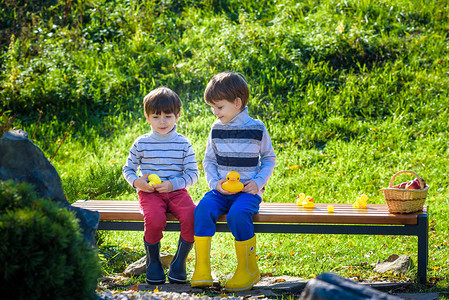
(161, 100)
(227, 86)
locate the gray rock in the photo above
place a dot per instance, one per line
(416, 296)
(395, 264)
(136, 268)
(328, 286)
(22, 161)
(166, 259)
(139, 267)
(16, 135)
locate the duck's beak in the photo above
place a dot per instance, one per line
(232, 179)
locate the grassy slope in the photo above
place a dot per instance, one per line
(351, 92)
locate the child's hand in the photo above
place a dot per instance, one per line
(164, 187)
(141, 184)
(250, 187)
(220, 189)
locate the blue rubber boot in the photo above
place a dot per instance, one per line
(155, 272)
(177, 273)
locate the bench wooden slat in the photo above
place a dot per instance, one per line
(291, 213)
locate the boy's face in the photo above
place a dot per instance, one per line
(225, 111)
(162, 123)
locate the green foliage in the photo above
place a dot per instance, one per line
(100, 182)
(331, 55)
(5, 122)
(42, 254)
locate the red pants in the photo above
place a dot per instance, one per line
(153, 207)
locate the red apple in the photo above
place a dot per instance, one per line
(401, 185)
(414, 185)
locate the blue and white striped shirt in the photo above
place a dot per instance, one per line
(170, 156)
(241, 145)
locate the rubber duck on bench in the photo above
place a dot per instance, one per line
(232, 183)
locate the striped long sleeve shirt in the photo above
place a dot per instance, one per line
(170, 156)
(241, 145)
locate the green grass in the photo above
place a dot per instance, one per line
(351, 93)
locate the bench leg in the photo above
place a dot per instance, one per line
(423, 246)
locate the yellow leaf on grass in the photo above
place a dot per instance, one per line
(341, 27)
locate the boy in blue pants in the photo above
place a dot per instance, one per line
(239, 143)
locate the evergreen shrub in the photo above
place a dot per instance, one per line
(42, 252)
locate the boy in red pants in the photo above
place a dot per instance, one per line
(169, 155)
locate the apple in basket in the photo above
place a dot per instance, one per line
(401, 185)
(414, 184)
(410, 185)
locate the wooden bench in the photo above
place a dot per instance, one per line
(290, 218)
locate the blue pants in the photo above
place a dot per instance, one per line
(239, 209)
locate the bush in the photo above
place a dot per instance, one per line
(42, 252)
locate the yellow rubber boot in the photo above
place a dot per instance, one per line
(202, 276)
(247, 273)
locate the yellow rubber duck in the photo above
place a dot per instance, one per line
(300, 199)
(232, 183)
(330, 208)
(153, 179)
(308, 202)
(361, 202)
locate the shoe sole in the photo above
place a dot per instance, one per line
(204, 283)
(245, 288)
(175, 280)
(155, 282)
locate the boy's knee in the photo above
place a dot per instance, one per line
(187, 217)
(190, 210)
(237, 216)
(201, 210)
(155, 223)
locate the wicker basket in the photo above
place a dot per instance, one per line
(405, 201)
